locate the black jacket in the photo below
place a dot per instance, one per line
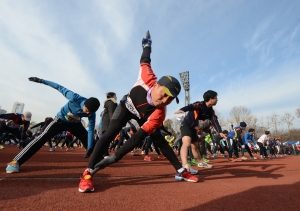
(110, 106)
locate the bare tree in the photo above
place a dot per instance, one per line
(288, 119)
(274, 121)
(298, 112)
(240, 114)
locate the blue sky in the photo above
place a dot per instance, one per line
(247, 51)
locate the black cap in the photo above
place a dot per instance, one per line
(92, 104)
(171, 86)
(243, 124)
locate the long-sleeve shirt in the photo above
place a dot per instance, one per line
(236, 134)
(199, 111)
(72, 112)
(17, 118)
(248, 137)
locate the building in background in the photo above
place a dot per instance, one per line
(2, 111)
(18, 107)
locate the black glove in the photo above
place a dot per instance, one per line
(35, 79)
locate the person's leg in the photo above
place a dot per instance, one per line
(165, 149)
(148, 144)
(230, 147)
(119, 119)
(55, 127)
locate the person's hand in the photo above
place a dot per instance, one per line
(179, 112)
(35, 79)
(147, 42)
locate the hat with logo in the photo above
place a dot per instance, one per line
(171, 86)
(27, 115)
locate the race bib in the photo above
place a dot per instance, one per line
(71, 118)
(129, 105)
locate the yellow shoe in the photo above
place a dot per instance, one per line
(2, 147)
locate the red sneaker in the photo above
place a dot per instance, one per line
(187, 176)
(86, 182)
(231, 160)
(161, 157)
(148, 158)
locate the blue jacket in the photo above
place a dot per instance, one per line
(72, 112)
(236, 134)
(248, 137)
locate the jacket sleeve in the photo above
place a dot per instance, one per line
(215, 122)
(40, 124)
(10, 116)
(64, 91)
(189, 107)
(155, 120)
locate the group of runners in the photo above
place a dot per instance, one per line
(146, 103)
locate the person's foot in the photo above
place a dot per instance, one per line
(12, 167)
(231, 160)
(52, 149)
(204, 165)
(205, 160)
(244, 158)
(88, 153)
(86, 182)
(148, 158)
(192, 171)
(193, 162)
(161, 157)
(239, 159)
(187, 176)
(253, 158)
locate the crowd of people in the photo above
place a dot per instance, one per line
(201, 136)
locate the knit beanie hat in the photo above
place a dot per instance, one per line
(92, 104)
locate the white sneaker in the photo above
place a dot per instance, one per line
(193, 171)
(204, 165)
(244, 158)
(253, 158)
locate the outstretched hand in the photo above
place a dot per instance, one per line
(179, 112)
(147, 42)
(35, 79)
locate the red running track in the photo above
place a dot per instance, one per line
(49, 181)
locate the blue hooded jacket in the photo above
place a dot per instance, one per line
(72, 112)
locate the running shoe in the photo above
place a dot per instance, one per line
(244, 158)
(161, 157)
(185, 175)
(231, 160)
(253, 158)
(86, 182)
(239, 159)
(52, 149)
(215, 156)
(12, 167)
(193, 162)
(204, 165)
(148, 158)
(205, 160)
(192, 171)
(2, 147)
